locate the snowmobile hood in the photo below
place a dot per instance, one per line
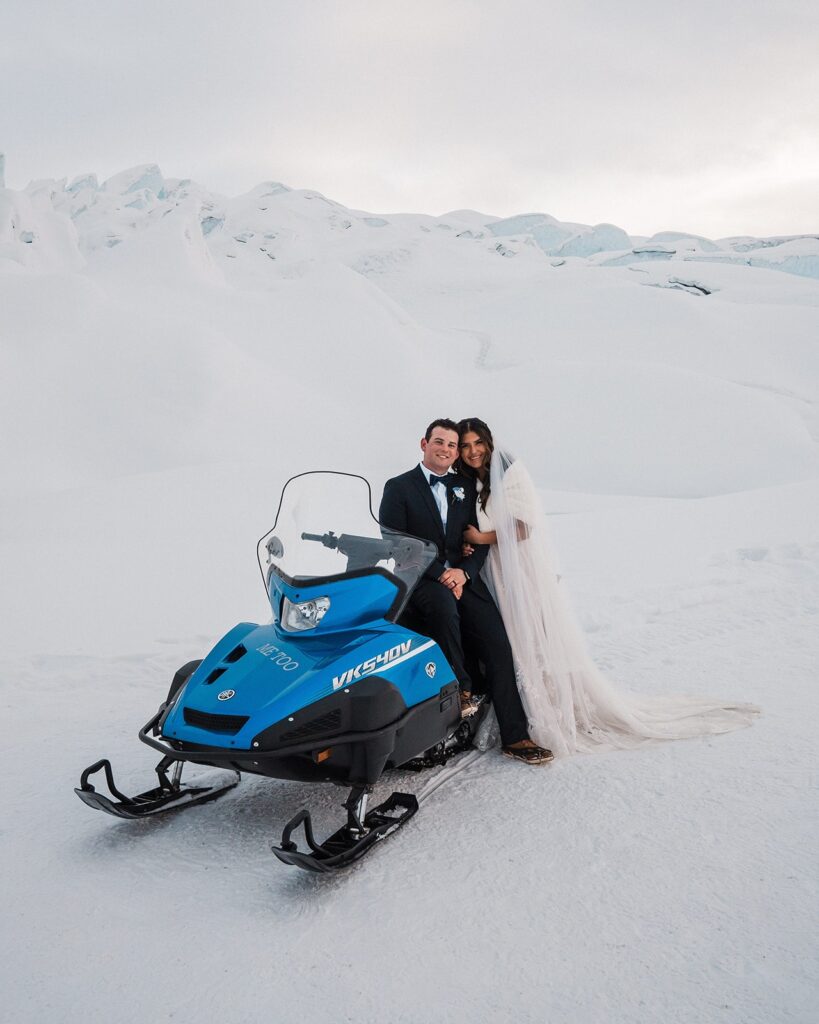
(258, 676)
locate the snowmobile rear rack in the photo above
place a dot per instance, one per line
(169, 795)
(353, 840)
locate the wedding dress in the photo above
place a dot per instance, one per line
(570, 704)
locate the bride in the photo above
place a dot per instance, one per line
(570, 704)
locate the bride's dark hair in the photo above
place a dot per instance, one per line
(475, 426)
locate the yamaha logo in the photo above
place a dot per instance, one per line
(430, 669)
(226, 694)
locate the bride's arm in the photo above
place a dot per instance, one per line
(472, 535)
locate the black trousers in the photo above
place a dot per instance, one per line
(474, 621)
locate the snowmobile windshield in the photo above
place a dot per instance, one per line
(325, 529)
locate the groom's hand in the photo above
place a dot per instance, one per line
(453, 579)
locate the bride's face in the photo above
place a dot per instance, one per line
(473, 451)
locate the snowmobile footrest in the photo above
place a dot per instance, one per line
(346, 845)
(165, 797)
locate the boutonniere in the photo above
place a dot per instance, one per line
(458, 494)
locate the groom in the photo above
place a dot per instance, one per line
(451, 598)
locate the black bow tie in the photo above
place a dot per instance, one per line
(433, 480)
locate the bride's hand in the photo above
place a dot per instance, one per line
(467, 550)
(472, 535)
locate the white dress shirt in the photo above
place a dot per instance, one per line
(439, 493)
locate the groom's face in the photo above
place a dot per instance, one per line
(440, 451)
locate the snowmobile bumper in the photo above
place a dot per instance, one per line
(355, 755)
(347, 845)
(149, 734)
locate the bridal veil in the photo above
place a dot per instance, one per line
(570, 704)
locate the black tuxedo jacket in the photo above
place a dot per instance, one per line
(408, 506)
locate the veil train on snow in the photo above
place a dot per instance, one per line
(570, 704)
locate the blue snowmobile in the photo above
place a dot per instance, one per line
(333, 689)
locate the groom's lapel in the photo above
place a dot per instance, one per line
(453, 519)
(422, 484)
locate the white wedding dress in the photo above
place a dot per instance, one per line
(570, 704)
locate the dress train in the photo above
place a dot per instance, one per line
(571, 706)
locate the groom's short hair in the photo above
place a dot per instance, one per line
(446, 424)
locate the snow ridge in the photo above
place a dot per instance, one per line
(136, 199)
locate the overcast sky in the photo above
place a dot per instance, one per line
(700, 115)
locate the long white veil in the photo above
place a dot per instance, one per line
(570, 704)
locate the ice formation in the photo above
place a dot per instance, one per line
(106, 215)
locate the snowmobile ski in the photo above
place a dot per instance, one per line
(169, 795)
(351, 842)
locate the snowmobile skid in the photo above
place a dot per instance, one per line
(169, 795)
(362, 831)
(337, 688)
(365, 828)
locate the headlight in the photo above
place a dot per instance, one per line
(305, 615)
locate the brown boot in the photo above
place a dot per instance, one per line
(469, 704)
(529, 752)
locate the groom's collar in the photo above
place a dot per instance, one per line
(428, 472)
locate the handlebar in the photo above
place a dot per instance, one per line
(361, 552)
(329, 540)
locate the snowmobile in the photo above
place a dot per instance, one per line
(336, 688)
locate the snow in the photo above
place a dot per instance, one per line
(683, 242)
(167, 365)
(521, 224)
(601, 238)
